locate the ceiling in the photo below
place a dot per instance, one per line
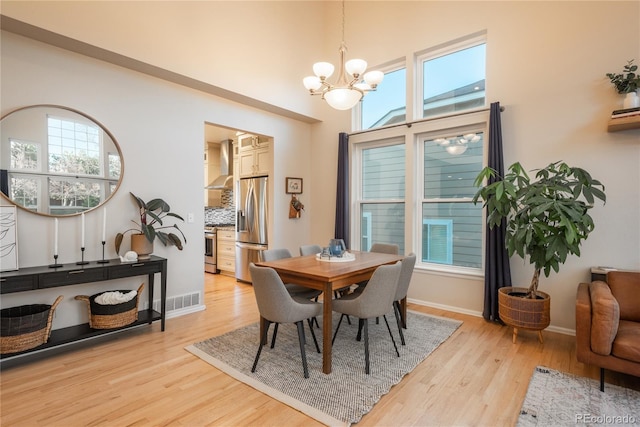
(216, 134)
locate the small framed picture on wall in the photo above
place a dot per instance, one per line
(293, 185)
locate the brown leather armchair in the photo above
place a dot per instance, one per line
(608, 323)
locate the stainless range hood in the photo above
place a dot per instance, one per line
(225, 180)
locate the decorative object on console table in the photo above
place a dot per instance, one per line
(151, 217)
(546, 220)
(8, 238)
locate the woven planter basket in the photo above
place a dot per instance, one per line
(25, 327)
(109, 316)
(524, 313)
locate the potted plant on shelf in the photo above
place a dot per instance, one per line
(150, 226)
(627, 83)
(546, 220)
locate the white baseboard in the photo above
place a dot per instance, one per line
(474, 313)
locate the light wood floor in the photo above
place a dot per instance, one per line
(145, 377)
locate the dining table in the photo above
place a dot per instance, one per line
(329, 275)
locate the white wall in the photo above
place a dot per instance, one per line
(159, 127)
(546, 64)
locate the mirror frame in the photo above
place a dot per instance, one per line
(96, 122)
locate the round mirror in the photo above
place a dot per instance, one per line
(57, 161)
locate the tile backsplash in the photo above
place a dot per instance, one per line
(223, 214)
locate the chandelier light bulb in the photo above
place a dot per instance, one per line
(312, 82)
(323, 70)
(356, 67)
(374, 78)
(343, 98)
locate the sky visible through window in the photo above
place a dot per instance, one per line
(441, 74)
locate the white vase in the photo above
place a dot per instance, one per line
(631, 100)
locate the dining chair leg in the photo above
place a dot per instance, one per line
(301, 339)
(396, 304)
(396, 311)
(336, 331)
(366, 345)
(263, 340)
(273, 338)
(391, 335)
(360, 324)
(313, 334)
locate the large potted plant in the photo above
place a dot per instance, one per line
(150, 226)
(546, 220)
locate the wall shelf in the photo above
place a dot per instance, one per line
(624, 123)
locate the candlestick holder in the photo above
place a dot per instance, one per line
(103, 261)
(82, 261)
(55, 262)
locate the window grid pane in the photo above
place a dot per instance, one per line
(454, 82)
(464, 237)
(383, 172)
(388, 103)
(74, 148)
(385, 222)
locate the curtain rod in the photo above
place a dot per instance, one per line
(409, 124)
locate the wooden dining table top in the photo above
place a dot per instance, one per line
(310, 271)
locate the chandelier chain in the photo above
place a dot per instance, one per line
(342, 21)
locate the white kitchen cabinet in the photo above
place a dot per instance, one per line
(226, 251)
(254, 156)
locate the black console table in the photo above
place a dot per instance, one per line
(34, 278)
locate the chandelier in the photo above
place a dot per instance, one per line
(351, 84)
(458, 144)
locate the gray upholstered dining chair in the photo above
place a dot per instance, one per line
(381, 248)
(310, 250)
(277, 306)
(374, 301)
(408, 263)
(385, 248)
(294, 290)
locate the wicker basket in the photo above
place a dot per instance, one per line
(109, 316)
(25, 327)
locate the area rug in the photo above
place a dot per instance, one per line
(345, 395)
(560, 399)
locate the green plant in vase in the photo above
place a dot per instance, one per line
(151, 225)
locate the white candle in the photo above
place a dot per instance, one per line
(104, 224)
(55, 236)
(82, 228)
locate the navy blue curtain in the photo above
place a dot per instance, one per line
(497, 270)
(4, 182)
(342, 193)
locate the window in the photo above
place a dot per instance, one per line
(382, 195)
(415, 182)
(24, 190)
(68, 196)
(25, 155)
(387, 104)
(450, 166)
(74, 147)
(453, 79)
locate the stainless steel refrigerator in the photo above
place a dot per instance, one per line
(251, 223)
